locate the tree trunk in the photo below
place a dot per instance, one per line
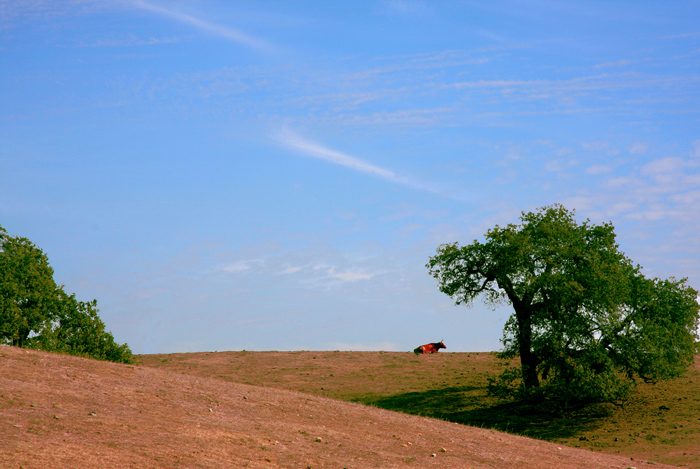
(21, 339)
(528, 360)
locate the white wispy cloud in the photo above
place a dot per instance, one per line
(660, 190)
(572, 87)
(318, 151)
(291, 270)
(314, 274)
(331, 272)
(236, 267)
(351, 275)
(208, 27)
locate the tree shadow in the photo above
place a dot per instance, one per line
(469, 406)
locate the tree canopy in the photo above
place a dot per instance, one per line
(586, 322)
(37, 313)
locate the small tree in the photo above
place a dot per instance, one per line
(586, 322)
(27, 289)
(36, 313)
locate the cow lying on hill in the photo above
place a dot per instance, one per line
(429, 348)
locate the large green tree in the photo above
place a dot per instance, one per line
(37, 313)
(586, 322)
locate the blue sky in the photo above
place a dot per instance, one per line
(225, 175)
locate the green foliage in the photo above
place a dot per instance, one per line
(586, 322)
(80, 331)
(36, 313)
(27, 289)
(507, 384)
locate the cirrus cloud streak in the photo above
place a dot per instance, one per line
(213, 29)
(315, 150)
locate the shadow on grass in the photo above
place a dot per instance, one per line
(461, 405)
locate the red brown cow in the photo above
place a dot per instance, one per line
(430, 348)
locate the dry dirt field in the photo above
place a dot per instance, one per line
(61, 411)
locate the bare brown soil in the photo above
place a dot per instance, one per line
(62, 411)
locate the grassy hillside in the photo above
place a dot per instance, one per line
(61, 411)
(661, 423)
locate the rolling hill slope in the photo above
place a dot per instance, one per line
(62, 411)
